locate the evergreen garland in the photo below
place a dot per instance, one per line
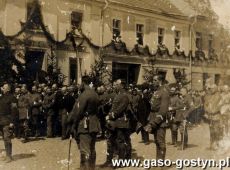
(7, 59)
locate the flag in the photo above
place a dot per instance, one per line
(170, 77)
(45, 60)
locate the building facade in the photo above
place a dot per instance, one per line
(171, 36)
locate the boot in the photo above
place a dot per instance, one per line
(93, 160)
(108, 162)
(161, 153)
(174, 138)
(85, 163)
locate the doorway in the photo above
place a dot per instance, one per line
(72, 70)
(34, 60)
(127, 72)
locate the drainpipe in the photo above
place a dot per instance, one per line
(103, 21)
(191, 46)
(190, 56)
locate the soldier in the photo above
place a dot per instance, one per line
(118, 123)
(225, 108)
(182, 114)
(86, 124)
(101, 114)
(17, 93)
(65, 105)
(175, 104)
(135, 97)
(212, 114)
(48, 105)
(143, 111)
(157, 118)
(56, 119)
(8, 104)
(35, 107)
(23, 108)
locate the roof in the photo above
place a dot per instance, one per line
(160, 6)
(192, 8)
(186, 8)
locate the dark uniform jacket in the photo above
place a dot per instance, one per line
(48, 103)
(109, 97)
(23, 105)
(176, 104)
(8, 103)
(118, 111)
(36, 103)
(143, 109)
(134, 100)
(84, 114)
(185, 108)
(159, 106)
(66, 102)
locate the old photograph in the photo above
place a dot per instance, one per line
(114, 84)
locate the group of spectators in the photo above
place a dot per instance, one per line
(43, 110)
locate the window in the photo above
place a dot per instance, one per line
(140, 33)
(177, 38)
(76, 19)
(73, 70)
(205, 77)
(210, 42)
(217, 79)
(161, 32)
(199, 41)
(116, 28)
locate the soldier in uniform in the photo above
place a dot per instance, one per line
(65, 105)
(48, 106)
(35, 108)
(175, 104)
(143, 111)
(185, 108)
(101, 115)
(8, 104)
(85, 120)
(23, 108)
(225, 108)
(212, 114)
(56, 125)
(157, 118)
(119, 126)
(17, 93)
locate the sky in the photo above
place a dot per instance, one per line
(222, 9)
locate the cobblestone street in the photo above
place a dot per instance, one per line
(51, 154)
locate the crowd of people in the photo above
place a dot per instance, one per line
(112, 113)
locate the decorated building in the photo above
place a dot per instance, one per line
(179, 39)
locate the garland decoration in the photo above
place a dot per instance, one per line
(36, 18)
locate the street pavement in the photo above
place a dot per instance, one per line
(52, 153)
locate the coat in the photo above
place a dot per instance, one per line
(23, 106)
(84, 115)
(36, 103)
(143, 110)
(119, 111)
(8, 104)
(159, 107)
